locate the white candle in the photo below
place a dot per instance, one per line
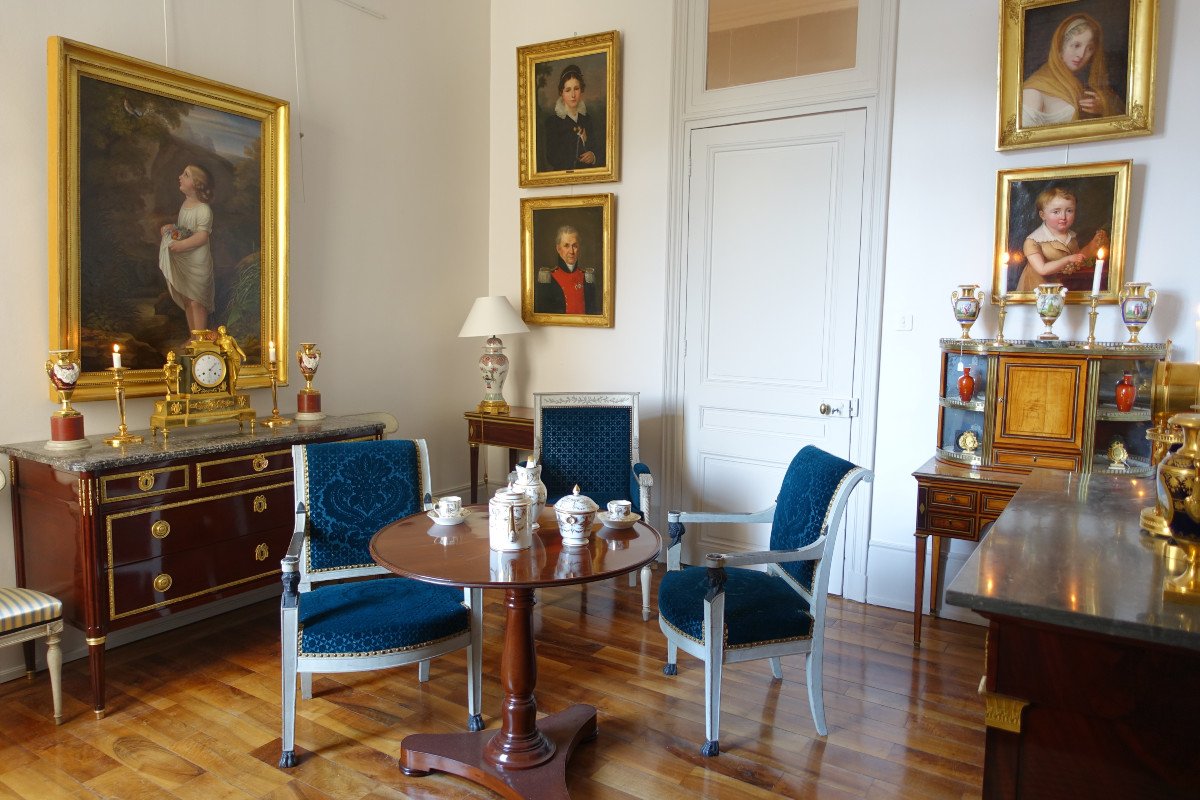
(271, 352)
(1003, 274)
(1098, 272)
(1196, 354)
(117, 356)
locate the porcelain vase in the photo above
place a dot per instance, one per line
(966, 385)
(529, 483)
(1137, 303)
(1126, 393)
(1050, 299)
(966, 301)
(1179, 498)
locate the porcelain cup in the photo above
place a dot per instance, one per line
(449, 506)
(619, 509)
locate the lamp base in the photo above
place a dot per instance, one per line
(498, 407)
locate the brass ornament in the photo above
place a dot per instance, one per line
(201, 384)
(162, 582)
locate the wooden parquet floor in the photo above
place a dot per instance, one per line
(194, 713)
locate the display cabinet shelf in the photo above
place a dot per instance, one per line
(973, 405)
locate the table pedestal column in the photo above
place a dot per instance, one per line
(525, 758)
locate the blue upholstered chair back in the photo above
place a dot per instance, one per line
(804, 505)
(590, 446)
(352, 490)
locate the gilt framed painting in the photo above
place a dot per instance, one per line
(568, 110)
(1075, 70)
(168, 215)
(567, 255)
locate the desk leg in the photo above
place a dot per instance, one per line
(474, 473)
(527, 757)
(919, 587)
(935, 577)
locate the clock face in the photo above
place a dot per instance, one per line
(208, 369)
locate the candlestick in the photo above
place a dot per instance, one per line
(1091, 340)
(123, 436)
(1002, 305)
(116, 356)
(275, 421)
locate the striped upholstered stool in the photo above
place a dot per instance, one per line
(26, 615)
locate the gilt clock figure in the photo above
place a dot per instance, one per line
(200, 389)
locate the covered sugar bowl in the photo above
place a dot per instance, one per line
(576, 513)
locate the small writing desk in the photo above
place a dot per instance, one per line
(527, 757)
(513, 430)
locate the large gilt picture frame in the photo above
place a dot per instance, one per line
(568, 110)
(168, 212)
(1075, 70)
(567, 256)
(1062, 217)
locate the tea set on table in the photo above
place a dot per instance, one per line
(514, 510)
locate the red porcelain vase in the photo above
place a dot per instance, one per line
(1126, 393)
(966, 385)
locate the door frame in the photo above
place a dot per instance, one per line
(692, 108)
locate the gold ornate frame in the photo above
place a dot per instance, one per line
(167, 92)
(539, 67)
(541, 218)
(1016, 218)
(1139, 73)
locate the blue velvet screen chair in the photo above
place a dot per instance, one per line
(345, 492)
(592, 440)
(722, 615)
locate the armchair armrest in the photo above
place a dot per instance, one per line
(640, 484)
(809, 552)
(290, 563)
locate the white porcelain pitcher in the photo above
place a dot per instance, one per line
(529, 481)
(510, 524)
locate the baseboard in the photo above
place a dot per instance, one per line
(891, 570)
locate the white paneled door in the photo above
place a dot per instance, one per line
(773, 274)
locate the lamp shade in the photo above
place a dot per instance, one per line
(492, 315)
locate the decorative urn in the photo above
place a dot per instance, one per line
(1137, 302)
(1049, 299)
(529, 482)
(966, 301)
(1179, 498)
(575, 512)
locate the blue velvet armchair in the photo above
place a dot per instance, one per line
(722, 613)
(592, 440)
(345, 491)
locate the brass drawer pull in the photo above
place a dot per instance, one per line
(259, 463)
(160, 529)
(146, 481)
(162, 582)
(260, 503)
(262, 552)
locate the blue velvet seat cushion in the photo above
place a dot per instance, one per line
(804, 505)
(354, 489)
(759, 608)
(590, 446)
(379, 616)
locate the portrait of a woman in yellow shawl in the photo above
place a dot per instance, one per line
(1073, 84)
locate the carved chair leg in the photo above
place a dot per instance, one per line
(776, 668)
(423, 671)
(54, 665)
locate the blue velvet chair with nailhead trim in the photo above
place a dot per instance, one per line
(723, 614)
(26, 615)
(340, 611)
(591, 439)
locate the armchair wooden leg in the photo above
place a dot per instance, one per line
(306, 685)
(672, 667)
(714, 625)
(645, 592)
(816, 698)
(776, 668)
(423, 671)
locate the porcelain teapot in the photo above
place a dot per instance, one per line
(529, 481)
(576, 513)
(510, 524)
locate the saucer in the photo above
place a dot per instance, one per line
(619, 522)
(438, 520)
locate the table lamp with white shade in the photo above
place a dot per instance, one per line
(491, 316)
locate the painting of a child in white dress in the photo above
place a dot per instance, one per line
(170, 225)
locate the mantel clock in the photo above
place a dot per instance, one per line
(201, 386)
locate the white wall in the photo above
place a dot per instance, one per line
(388, 206)
(941, 233)
(629, 356)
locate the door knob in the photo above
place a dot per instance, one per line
(825, 409)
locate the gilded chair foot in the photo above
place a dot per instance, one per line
(475, 723)
(288, 759)
(670, 669)
(711, 748)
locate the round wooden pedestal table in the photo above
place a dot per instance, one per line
(526, 757)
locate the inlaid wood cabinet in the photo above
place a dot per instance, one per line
(1039, 404)
(131, 535)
